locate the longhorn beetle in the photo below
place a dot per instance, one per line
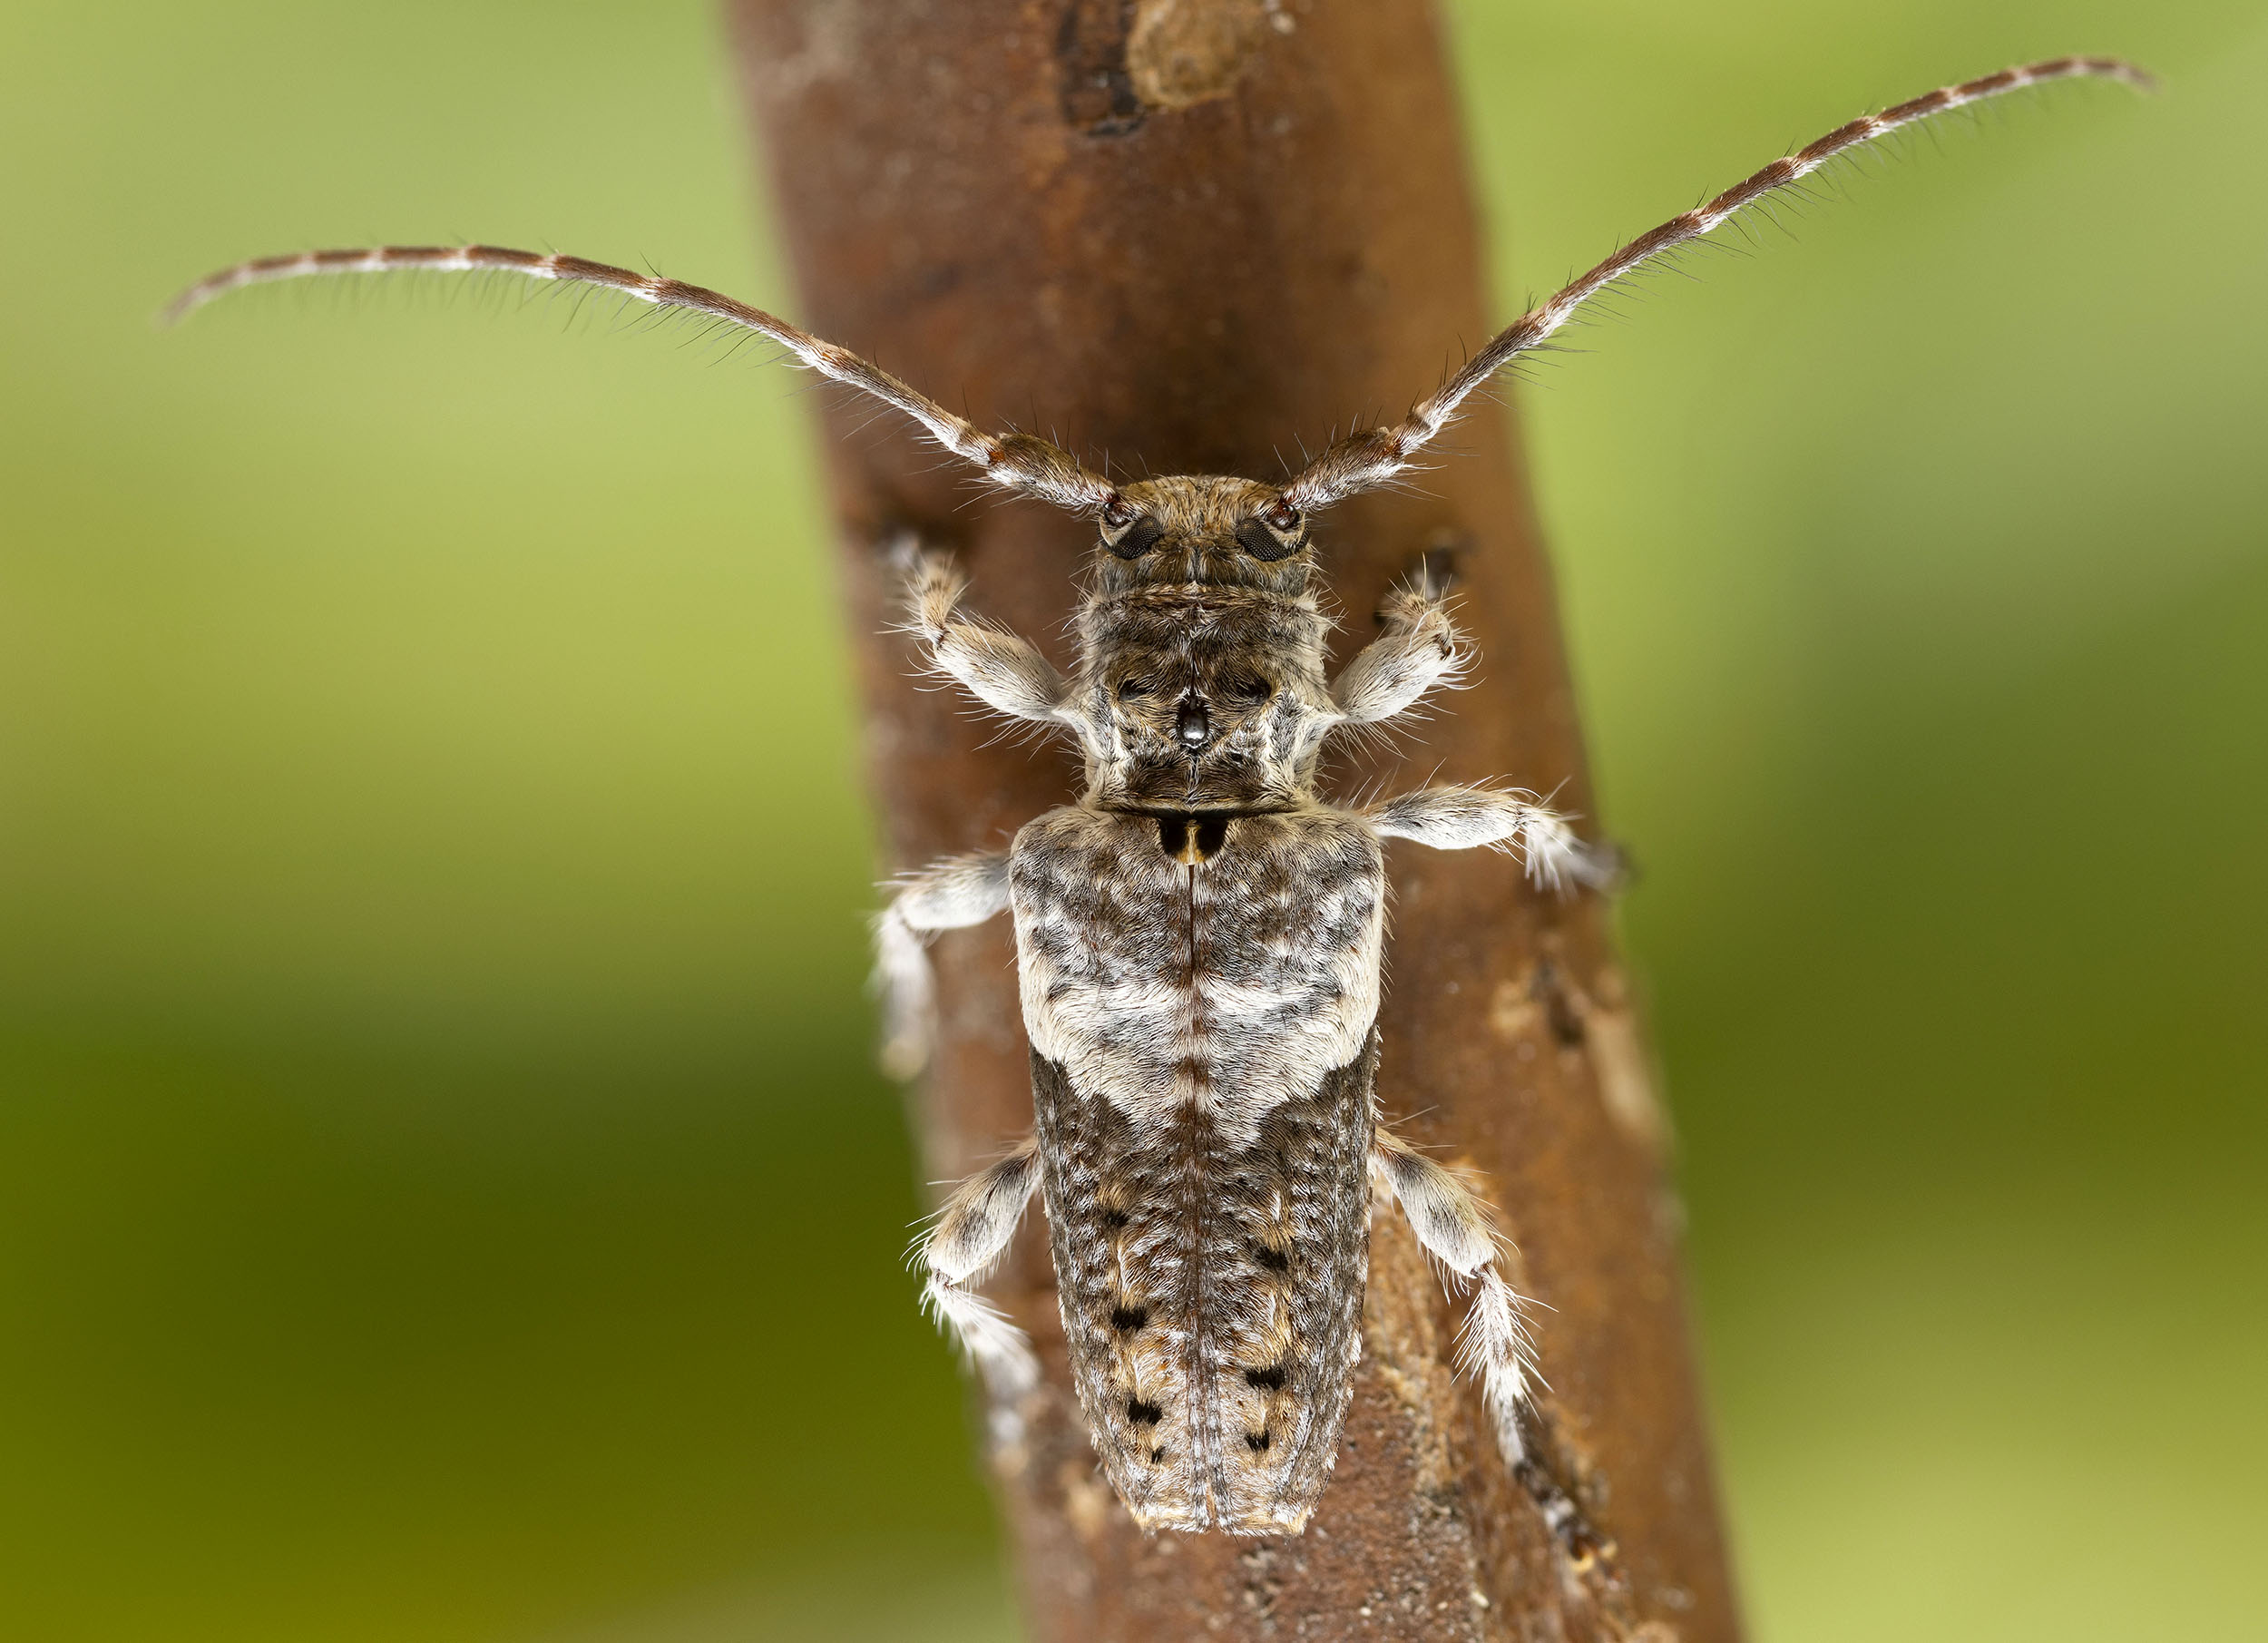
(1199, 935)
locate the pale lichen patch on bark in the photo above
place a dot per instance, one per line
(1185, 52)
(1624, 1076)
(1619, 1063)
(1598, 1029)
(1514, 1015)
(1087, 1502)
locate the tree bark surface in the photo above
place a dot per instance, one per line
(1192, 234)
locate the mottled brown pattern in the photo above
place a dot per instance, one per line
(1227, 987)
(1211, 1295)
(1202, 1074)
(1199, 946)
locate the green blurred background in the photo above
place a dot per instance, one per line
(442, 1194)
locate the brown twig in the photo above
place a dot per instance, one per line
(1190, 233)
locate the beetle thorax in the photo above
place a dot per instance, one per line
(1202, 698)
(1201, 682)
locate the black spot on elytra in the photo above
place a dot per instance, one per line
(1270, 1379)
(1127, 1319)
(1256, 1441)
(1275, 1260)
(1143, 1414)
(1115, 1220)
(1157, 1457)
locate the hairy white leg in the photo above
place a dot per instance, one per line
(970, 1235)
(958, 891)
(1417, 651)
(1494, 1344)
(1003, 671)
(1461, 818)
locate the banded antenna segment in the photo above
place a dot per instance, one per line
(1364, 461)
(1014, 461)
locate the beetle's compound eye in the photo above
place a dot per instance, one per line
(1276, 533)
(1127, 531)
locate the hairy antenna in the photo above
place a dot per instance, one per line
(1015, 462)
(1364, 461)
